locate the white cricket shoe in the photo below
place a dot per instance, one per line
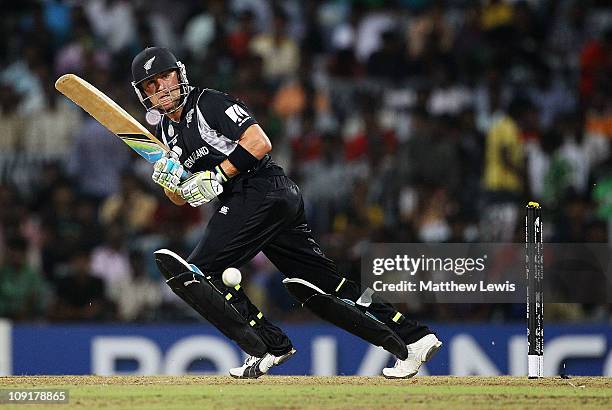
(418, 353)
(254, 367)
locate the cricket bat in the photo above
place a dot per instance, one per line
(112, 116)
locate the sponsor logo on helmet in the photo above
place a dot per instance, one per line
(148, 64)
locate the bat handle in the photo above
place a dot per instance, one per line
(175, 153)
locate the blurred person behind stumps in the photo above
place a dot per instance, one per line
(214, 136)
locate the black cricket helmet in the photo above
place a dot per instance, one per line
(152, 61)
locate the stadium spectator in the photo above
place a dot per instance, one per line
(23, 291)
(599, 115)
(201, 29)
(132, 207)
(97, 160)
(430, 36)
(279, 52)
(110, 260)
(48, 135)
(112, 21)
(11, 128)
(390, 61)
(551, 97)
(80, 296)
(596, 65)
(504, 172)
(22, 75)
(241, 36)
(58, 227)
(72, 55)
(138, 296)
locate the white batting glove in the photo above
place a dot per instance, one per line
(167, 170)
(200, 188)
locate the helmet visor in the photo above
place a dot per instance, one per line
(165, 98)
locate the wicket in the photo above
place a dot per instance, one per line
(534, 263)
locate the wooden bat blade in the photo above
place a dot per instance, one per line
(112, 116)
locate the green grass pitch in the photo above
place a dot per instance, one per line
(301, 392)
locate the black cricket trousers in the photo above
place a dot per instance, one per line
(265, 212)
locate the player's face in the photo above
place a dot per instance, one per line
(163, 90)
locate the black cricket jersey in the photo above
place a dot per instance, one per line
(259, 211)
(211, 124)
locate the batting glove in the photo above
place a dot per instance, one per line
(200, 188)
(167, 170)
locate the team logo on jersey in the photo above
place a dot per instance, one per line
(224, 210)
(170, 131)
(189, 116)
(197, 154)
(148, 64)
(237, 114)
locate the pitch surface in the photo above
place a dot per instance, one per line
(301, 392)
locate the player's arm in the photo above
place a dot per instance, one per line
(256, 144)
(252, 145)
(175, 197)
(231, 118)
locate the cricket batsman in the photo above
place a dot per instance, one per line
(225, 152)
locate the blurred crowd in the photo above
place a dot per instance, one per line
(402, 121)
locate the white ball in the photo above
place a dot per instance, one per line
(231, 277)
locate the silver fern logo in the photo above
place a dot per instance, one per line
(189, 116)
(148, 64)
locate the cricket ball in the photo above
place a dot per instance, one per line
(231, 277)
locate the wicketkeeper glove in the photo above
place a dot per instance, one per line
(200, 188)
(168, 170)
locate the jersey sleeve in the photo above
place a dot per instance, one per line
(225, 114)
